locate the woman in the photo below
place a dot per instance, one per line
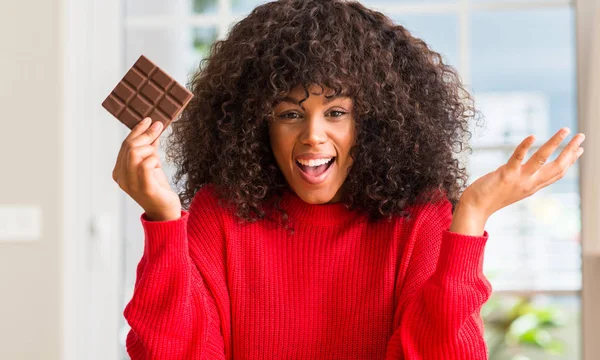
(322, 213)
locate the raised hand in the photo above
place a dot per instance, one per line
(139, 173)
(515, 181)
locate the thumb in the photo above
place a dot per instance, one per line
(156, 143)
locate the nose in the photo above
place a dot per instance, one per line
(314, 132)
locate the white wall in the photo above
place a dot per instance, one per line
(30, 285)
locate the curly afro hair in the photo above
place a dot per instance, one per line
(411, 110)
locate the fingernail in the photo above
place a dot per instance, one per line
(581, 138)
(146, 120)
(156, 125)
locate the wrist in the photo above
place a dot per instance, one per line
(163, 216)
(468, 220)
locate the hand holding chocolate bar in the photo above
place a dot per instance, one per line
(146, 94)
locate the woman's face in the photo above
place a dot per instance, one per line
(311, 143)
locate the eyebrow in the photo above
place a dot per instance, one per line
(297, 102)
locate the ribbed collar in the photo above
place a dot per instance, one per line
(312, 214)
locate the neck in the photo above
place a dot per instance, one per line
(332, 213)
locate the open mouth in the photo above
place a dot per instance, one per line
(315, 171)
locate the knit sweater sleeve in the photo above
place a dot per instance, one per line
(173, 313)
(440, 297)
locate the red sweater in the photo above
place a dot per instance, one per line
(209, 287)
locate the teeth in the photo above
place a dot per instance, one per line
(316, 162)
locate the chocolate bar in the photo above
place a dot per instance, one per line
(147, 91)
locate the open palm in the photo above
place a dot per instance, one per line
(515, 181)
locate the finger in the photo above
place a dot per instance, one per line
(148, 136)
(139, 128)
(557, 176)
(515, 161)
(134, 159)
(566, 159)
(137, 154)
(146, 170)
(539, 158)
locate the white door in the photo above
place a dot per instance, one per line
(92, 40)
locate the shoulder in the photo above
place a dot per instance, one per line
(207, 196)
(421, 234)
(207, 203)
(430, 215)
(207, 225)
(432, 206)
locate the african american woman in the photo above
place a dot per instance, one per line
(320, 211)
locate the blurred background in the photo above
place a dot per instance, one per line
(70, 239)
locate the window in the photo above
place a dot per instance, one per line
(517, 57)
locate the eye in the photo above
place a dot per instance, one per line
(289, 115)
(334, 112)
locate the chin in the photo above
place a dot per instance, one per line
(317, 196)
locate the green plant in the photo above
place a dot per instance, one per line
(516, 323)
